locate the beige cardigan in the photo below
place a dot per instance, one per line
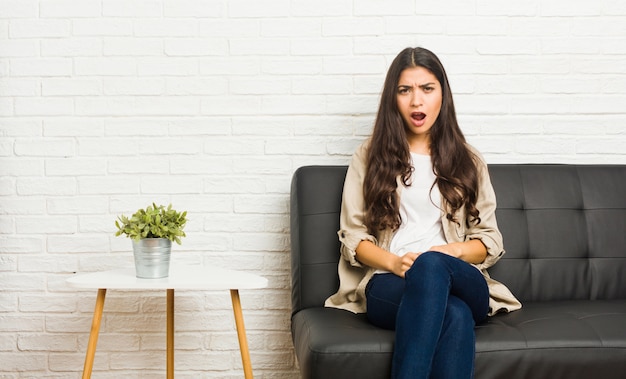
(354, 276)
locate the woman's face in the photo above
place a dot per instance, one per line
(419, 99)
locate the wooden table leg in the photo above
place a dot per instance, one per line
(93, 335)
(241, 334)
(170, 334)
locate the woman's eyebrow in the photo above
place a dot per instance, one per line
(430, 84)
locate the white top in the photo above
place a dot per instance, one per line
(180, 277)
(419, 209)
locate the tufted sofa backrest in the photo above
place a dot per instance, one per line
(564, 229)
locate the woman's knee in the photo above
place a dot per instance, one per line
(428, 258)
(430, 261)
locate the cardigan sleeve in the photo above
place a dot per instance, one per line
(352, 227)
(487, 231)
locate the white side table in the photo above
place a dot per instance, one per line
(181, 277)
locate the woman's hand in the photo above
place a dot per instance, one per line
(371, 255)
(454, 249)
(404, 263)
(472, 251)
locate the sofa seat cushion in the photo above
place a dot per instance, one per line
(568, 339)
(331, 342)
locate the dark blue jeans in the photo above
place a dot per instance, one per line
(434, 311)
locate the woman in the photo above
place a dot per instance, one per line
(418, 227)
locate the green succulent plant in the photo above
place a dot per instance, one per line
(153, 222)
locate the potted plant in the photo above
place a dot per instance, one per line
(153, 230)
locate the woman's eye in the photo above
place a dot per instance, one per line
(428, 89)
(403, 90)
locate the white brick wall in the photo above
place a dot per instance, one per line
(108, 105)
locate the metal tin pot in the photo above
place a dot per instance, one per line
(152, 257)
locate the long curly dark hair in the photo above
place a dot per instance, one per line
(389, 155)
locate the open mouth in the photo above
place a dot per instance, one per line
(418, 116)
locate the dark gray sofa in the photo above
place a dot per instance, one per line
(564, 229)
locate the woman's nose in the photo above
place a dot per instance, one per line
(416, 100)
